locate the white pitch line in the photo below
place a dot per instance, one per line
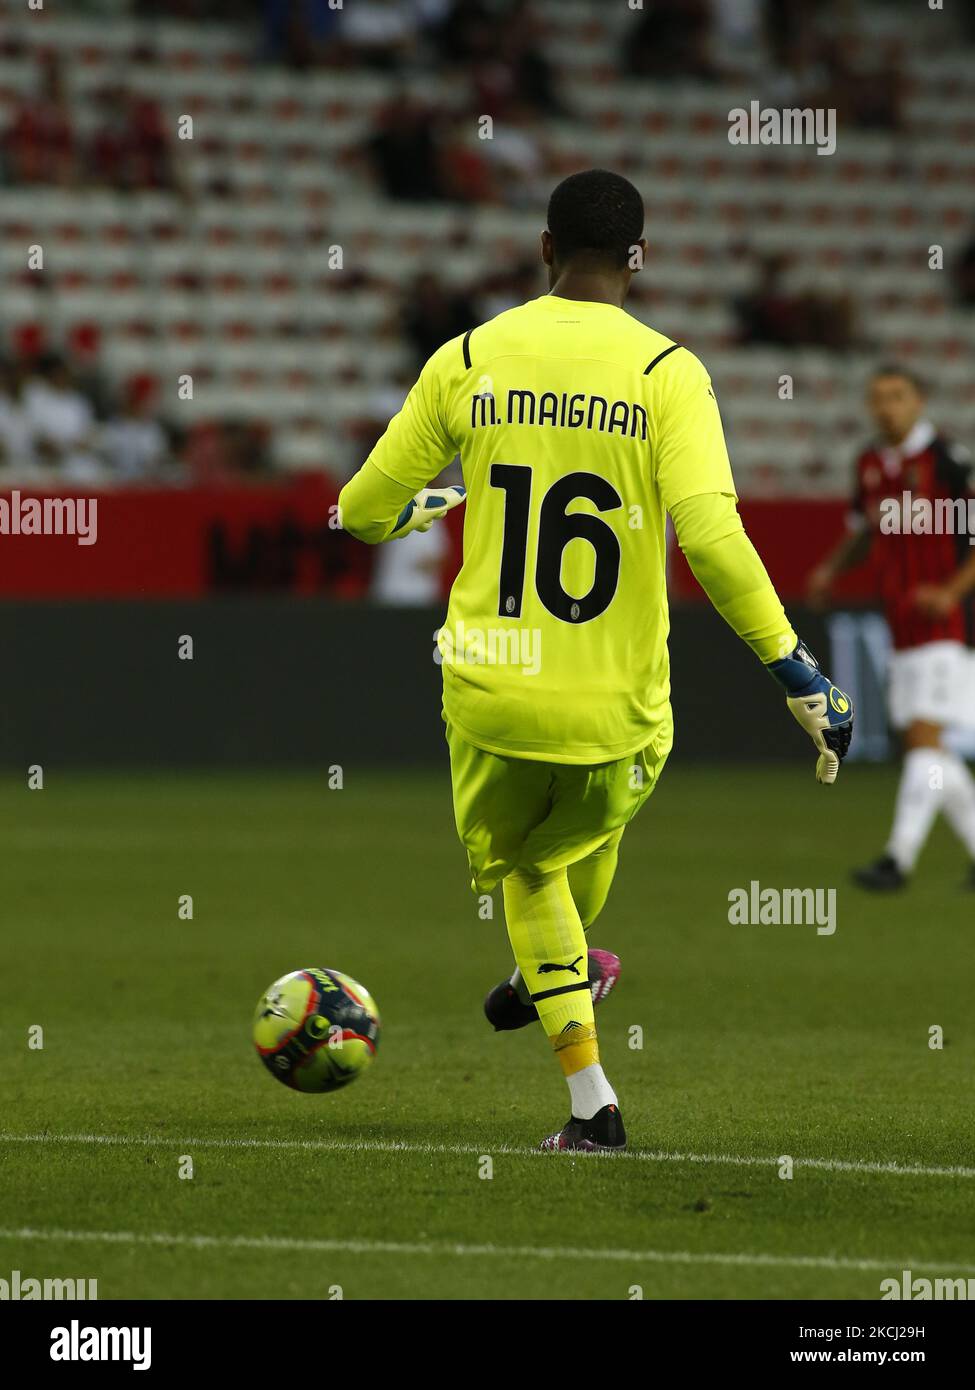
(441, 1248)
(827, 1165)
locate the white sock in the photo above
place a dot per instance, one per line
(919, 799)
(590, 1091)
(959, 800)
(518, 985)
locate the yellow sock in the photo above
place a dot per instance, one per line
(549, 944)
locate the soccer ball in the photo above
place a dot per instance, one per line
(316, 1030)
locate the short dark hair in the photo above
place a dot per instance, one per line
(898, 369)
(596, 213)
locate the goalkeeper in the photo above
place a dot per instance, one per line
(578, 428)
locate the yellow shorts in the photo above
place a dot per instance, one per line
(514, 813)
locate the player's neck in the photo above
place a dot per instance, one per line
(895, 442)
(590, 287)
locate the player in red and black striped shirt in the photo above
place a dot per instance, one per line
(910, 510)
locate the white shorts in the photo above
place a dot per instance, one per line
(934, 683)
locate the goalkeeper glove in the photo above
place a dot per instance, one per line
(428, 506)
(821, 708)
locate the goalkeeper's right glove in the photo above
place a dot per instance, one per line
(429, 505)
(821, 708)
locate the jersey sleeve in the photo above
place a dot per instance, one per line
(728, 568)
(415, 447)
(690, 453)
(956, 471)
(856, 516)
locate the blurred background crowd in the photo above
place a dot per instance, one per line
(360, 183)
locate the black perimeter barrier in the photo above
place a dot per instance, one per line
(301, 682)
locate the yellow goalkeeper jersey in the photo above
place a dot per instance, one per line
(578, 428)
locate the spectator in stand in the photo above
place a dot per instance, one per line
(217, 452)
(515, 156)
(39, 143)
(737, 37)
(765, 313)
(670, 40)
(379, 33)
(204, 455)
(300, 33)
(965, 275)
(866, 82)
(433, 314)
(468, 32)
(130, 148)
(405, 153)
(818, 61)
(507, 288)
(248, 444)
(62, 421)
(149, 150)
(791, 30)
(17, 454)
(82, 345)
(467, 176)
(225, 10)
(133, 443)
(523, 50)
(515, 71)
(771, 314)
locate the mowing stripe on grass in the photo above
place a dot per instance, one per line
(828, 1165)
(440, 1248)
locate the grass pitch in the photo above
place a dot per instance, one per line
(758, 1042)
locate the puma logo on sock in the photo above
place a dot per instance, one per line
(548, 967)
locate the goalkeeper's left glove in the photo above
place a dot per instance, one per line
(821, 708)
(428, 506)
